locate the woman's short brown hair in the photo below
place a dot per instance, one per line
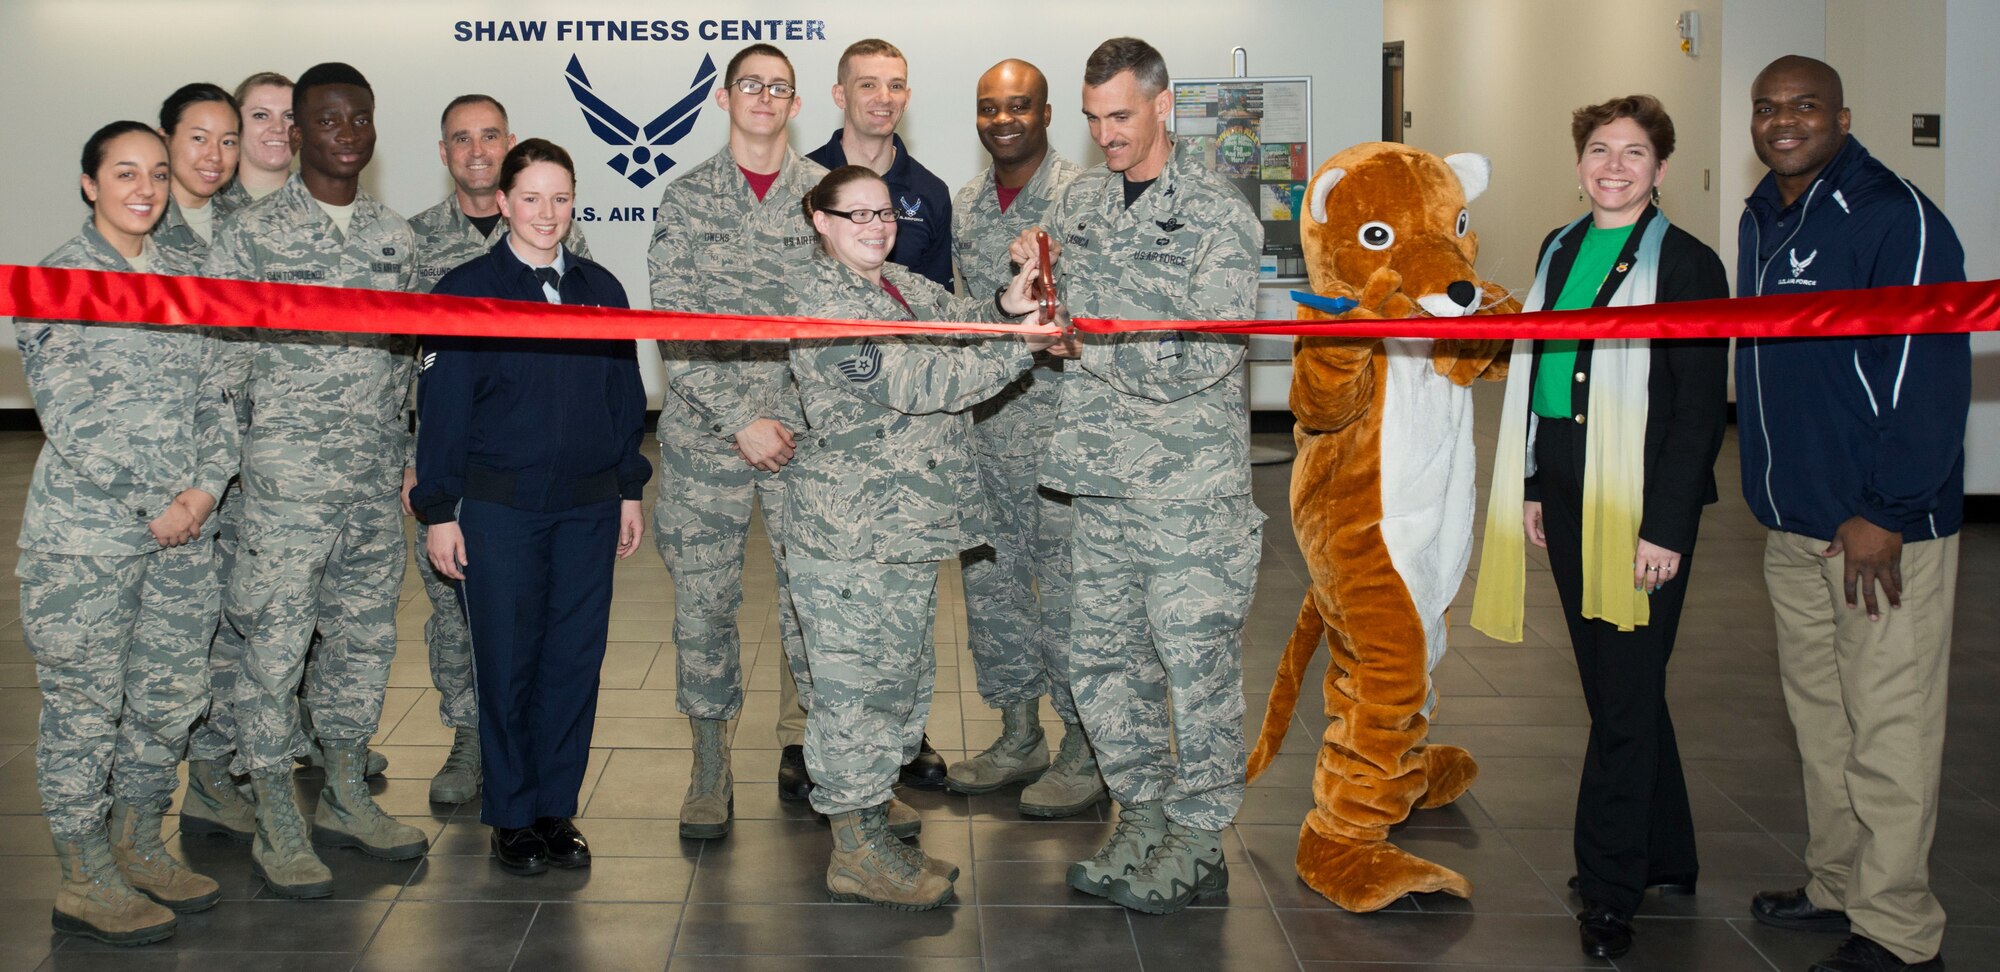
(1644, 109)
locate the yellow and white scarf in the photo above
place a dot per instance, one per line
(1614, 464)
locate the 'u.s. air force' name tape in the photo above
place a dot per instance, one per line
(49, 293)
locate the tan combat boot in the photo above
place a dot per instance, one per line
(1021, 753)
(96, 901)
(281, 855)
(347, 814)
(214, 805)
(148, 867)
(315, 758)
(865, 867)
(1141, 828)
(903, 820)
(1072, 785)
(458, 780)
(711, 797)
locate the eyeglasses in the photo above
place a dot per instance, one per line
(780, 90)
(864, 216)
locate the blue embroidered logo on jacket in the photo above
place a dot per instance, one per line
(640, 161)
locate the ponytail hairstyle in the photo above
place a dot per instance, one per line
(527, 153)
(822, 196)
(187, 96)
(93, 148)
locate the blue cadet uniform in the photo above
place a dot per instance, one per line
(923, 210)
(530, 444)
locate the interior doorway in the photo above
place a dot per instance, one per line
(1394, 117)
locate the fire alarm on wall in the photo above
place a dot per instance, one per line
(1689, 26)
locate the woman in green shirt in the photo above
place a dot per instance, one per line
(1608, 457)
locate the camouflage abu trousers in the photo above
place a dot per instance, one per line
(867, 629)
(701, 524)
(1017, 591)
(214, 734)
(448, 643)
(1156, 647)
(121, 651)
(304, 567)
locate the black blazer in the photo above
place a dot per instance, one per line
(1687, 394)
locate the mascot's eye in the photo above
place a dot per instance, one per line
(1376, 235)
(1464, 220)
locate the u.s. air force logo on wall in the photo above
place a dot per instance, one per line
(640, 159)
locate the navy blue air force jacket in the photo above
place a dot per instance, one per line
(1838, 427)
(536, 424)
(923, 207)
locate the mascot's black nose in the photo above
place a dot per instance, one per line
(1462, 293)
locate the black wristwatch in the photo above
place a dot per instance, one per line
(1003, 310)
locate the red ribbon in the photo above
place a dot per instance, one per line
(102, 295)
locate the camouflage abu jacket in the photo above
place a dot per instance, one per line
(717, 249)
(1017, 422)
(133, 414)
(884, 469)
(1157, 415)
(327, 408)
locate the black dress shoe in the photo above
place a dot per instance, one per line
(1859, 954)
(566, 846)
(1604, 933)
(1793, 910)
(1682, 884)
(926, 772)
(794, 783)
(520, 850)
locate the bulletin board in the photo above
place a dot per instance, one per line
(1257, 134)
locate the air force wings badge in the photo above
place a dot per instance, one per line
(640, 160)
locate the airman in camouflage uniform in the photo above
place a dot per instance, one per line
(446, 237)
(118, 625)
(1153, 445)
(213, 804)
(883, 488)
(1017, 589)
(323, 469)
(718, 248)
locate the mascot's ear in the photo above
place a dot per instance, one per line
(1321, 187)
(1473, 172)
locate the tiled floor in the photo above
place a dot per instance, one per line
(755, 900)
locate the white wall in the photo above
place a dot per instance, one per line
(97, 60)
(1753, 33)
(1892, 60)
(1501, 79)
(1972, 199)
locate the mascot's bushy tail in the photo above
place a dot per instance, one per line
(1284, 702)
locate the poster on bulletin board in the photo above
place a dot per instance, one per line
(1256, 133)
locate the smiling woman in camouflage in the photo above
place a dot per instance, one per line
(117, 604)
(883, 488)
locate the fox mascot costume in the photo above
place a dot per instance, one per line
(1382, 503)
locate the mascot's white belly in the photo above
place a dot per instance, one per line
(1427, 482)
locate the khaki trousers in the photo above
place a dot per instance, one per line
(1867, 699)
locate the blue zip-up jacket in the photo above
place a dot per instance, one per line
(923, 207)
(538, 424)
(1833, 428)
